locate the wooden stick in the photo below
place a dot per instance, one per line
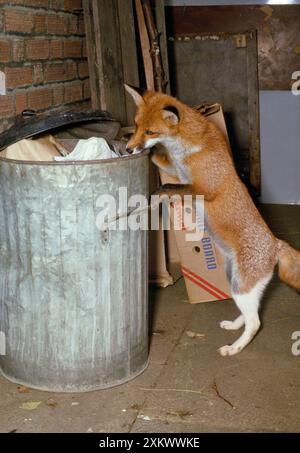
(154, 47)
(145, 45)
(160, 20)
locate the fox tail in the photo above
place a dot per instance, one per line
(289, 265)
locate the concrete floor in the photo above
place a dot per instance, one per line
(188, 386)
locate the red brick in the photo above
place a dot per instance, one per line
(58, 72)
(57, 25)
(72, 25)
(36, 3)
(18, 21)
(1, 20)
(71, 71)
(40, 23)
(83, 69)
(56, 49)
(18, 52)
(38, 74)
(56, 4)
(18, 77)
(73, 48)
(55, 72)
(81, 26)
(73, 92)
(15, 2)
(86, 89)
(6, 106)
(72, 5)
(40, 98)
(84, 48)
(58, 95)
(4, 51)
(21, 102)
(37, 49)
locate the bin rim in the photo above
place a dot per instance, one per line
(116, 160)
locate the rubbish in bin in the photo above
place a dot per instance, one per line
(29, 138)
(41, 149)
(92, 149)
(62, 148)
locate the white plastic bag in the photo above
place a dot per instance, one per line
(92, 149)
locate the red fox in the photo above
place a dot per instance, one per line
(197, 153)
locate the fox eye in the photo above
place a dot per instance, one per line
(148, 132)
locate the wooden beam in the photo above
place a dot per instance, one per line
(145, 45)
(91, 53)
(129, 53)
(163, 40)
(253, 114)
(109, 58)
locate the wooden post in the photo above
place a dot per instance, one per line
(91, 52)
(112, 55)
(253, 108)
(129, 53)
(145, 45)
(163, 41)
(109, 58)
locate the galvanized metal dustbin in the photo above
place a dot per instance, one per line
(73, 299)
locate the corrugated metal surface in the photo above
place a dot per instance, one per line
(73, 301)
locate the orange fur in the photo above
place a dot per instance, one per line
(206, 161)
(289, 265)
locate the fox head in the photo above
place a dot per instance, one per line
(157, 119)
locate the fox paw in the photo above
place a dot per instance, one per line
(228, 350)
(228, 325)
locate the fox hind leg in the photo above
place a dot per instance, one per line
(233, 325)
(248, 304)
(232, 276)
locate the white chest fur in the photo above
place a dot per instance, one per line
(178, 152)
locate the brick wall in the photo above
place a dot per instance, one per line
(43, 57)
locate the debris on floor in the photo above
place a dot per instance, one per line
(215, 388)
(192, 334)
(23, 389)
(31, 405)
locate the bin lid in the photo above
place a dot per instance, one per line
(29, 123)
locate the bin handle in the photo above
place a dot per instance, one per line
(105, 225)
(29, 112)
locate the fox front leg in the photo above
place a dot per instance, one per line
(171, 193)
(162, 161)
(175, 189)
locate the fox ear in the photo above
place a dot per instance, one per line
(135, 93)
(171, 114)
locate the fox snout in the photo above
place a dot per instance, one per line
(135, 145)
(135, 149)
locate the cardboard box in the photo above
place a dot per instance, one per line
(201, 262)
(41, 149)
(164, 260)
